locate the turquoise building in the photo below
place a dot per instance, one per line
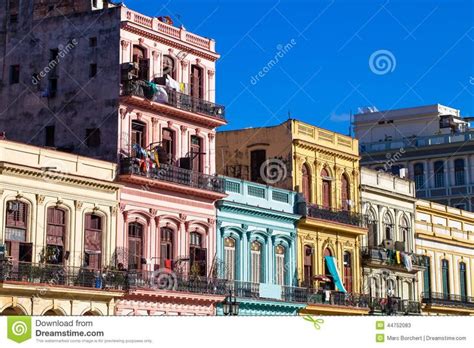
(256, 244)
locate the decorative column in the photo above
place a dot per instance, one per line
(270, 274)
(125, 56)
(245, 253)
(210, 86)
(211, 154)
(184, 145)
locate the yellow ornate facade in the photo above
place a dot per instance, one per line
(324, 167)
(46, 258)
(446, 236)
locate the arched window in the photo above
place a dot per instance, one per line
(256, 261)
(169, 67)
(280, 264)
(166, 247)
(139, 58)
(306, 183)
(388, 226)
(445, 277)
(135, 245)
(197, 254)
(55, 235)
(16, 231)
(345, 193)
(373, 230)
(330, 285)
(405, 232)
(419, 175)
(93, 241)
(459, 178)
(348, 271)
(308, 266)
(462, 281)
(326, 189)
(390, 287)
(197, 82)
(229, 257)
(439, 173)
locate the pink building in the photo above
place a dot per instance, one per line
(135, 90)
(167, 148)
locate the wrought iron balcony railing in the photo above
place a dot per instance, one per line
(313, 296)
(169, 96)
(389, 257)
(394, 306)
(341, 216)
(449, 300)
(173, 174)
(60, 275)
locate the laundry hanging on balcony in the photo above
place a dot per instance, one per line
(331, 264)
(407, 262)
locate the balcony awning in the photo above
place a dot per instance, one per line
(331, 263)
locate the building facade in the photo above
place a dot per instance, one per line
(57, 233)
(323, 167)
(445, 236)
(256, 242)
(390, 265)
(431, 145)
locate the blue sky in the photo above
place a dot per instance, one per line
(324, 73)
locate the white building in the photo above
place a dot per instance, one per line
(389, 264)
(434, 143)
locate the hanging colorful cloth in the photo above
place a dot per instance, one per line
(397, 253)
(156, 158)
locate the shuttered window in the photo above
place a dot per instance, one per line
(256, 257)
(280, 264)
(229, 255)
(166, 247)
(16, 221)
(93, 241)
(56, 229)
(445, 277)
(462, 281)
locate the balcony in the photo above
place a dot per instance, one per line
(388, 257)
(173, 174)
(60, 275)
(334, 298)
(447, 300)
(340, 216)
(165, 95)
(394, 306)
(417, 142)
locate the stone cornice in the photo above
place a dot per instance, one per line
(57, 177)
(160, 38)
(243, 209)
(325, 150)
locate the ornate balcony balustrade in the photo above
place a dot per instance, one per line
(173, 174)
(171, 97)
(60, 275)
(340, 216)
(449, 300)
(313, 296)
(394, 306)
(389, 257)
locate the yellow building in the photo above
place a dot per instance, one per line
(445, 235)
(324, 167)
(57, 232)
